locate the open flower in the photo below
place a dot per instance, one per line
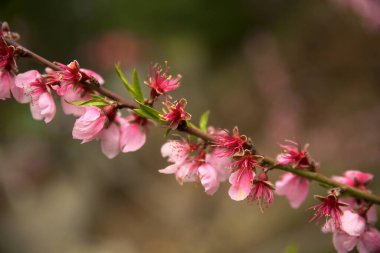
(262, 191)
(35, 91)
(75, 92)
(161, 82)
(295, 155)
(355, 178)
(7, 69)
(353, 232)
(294, 187)
(242, 177)
(330, 208)
(229, 144)
(176, 113)
(192, 164)
(88, 126)
(133, 133)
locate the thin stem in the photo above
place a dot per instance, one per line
(125, 103)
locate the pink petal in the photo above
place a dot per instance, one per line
(88, 126)
(221, 164)
(20, 95)
(132, 138)
(110, 141)
(24, 80)
(372, 215)
(72, 95)
(91, 73)
(209, 178)
(361, 177)
(35, 110)
(241, 184)
(47, 107)
(329, 226)
(343, 242)
(294, 188)
(176, 151)
(171, 169)
(187, 172)
(352, 223)
(370, 241)
(5, 85)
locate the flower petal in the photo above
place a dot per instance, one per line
(209, 178)
(132, 137)
(110, 141)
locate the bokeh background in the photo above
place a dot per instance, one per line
(306, 70)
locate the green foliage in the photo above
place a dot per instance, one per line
(204, 120)
(98, 102)
(148, 112)
(134, 89)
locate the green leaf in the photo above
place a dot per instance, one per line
(145, 114)
(136, 86)
(292, 248)
(96, 96)
(149, 109)
(203, 121)
(127, 85)
(91, 102)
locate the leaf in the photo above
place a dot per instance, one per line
(96, 96)
(127, 85)
(136, 86)
(203, 121)
(91, 102)
(149, 109)
(144, 114)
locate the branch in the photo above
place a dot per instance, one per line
(184, 127)
(124, 103)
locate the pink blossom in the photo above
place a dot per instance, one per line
(241, 183)
(161, 83)
(353, 232)
(294, 155)
(75, 92)
(201, 167)
(184, 167)
(133, 134)
(22, 88)
(176, 113)
(221, 164)
(88, 126)
(6, 82)
(230, 144)
(176, 151)
(212, 172)
(110, 140)
(242, 177)
(71, 95)
(355, 178)
(329, 208)
(294, 187)
(36, 92)
(7, 69)
(44, 108)
(262, 191)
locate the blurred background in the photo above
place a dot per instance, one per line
(306, 70)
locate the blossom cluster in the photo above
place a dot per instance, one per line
(210, 159)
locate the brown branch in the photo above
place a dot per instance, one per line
(184, 127)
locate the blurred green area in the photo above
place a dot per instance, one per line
(307, 70)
